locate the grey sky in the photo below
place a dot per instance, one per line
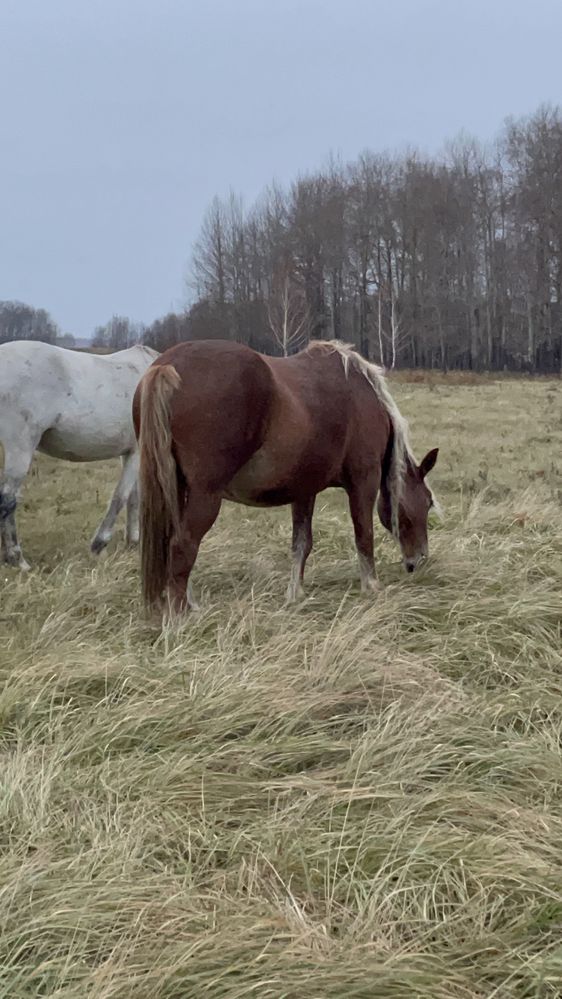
(120, 119)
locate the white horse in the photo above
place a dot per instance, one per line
(69, 405)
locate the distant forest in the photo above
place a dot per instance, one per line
(448, 262)
(22, 322)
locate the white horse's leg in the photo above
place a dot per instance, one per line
(17, 459)
(133, 531)
(122, 492)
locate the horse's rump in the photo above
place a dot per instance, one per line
(200, 414)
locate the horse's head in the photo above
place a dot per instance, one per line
(416, 501)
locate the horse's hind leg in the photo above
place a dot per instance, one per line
(16, 466)
(133, 516)
(302, 544)
(199, 514)
(362, 496)
(127, 483)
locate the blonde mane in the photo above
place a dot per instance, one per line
(402, 450)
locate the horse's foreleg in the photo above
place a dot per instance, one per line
(199, 514)
(16, 467)
(11, 549)
(362, 496)
(127, 482)
(302, 544)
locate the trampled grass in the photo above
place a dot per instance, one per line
(353, 797)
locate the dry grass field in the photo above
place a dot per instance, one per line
(355, 797)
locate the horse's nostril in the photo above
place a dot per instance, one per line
(410, 567)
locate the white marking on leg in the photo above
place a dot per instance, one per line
(369, 581)
(191, 601)
(295, 589)
(20, 562)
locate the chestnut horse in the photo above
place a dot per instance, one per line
(216, 420)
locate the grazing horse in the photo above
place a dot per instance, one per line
(216, 420)
(69, 405)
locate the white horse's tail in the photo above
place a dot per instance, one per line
(159, 519)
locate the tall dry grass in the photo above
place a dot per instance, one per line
(354, 797)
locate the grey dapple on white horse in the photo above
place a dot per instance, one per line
(69, 405)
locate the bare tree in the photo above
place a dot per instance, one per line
(209, 255)
(287, 313)
(118, 334)
(379, 328)
(396, 335)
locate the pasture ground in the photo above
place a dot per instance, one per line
(354, 797)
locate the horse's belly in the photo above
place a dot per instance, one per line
(258, 477)
(250, 496)
(265, 499)
(270, 479)
(75, 446)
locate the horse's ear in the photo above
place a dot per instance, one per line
(428, 462)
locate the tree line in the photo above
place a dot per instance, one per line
(433, 262)
(449, 262)
(19, 321)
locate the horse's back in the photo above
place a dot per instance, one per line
(20, 358)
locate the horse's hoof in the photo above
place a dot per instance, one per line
(17, 562)
(97, 546)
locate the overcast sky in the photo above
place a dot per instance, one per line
(120, 119)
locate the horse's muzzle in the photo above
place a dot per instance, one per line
(413, 563)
